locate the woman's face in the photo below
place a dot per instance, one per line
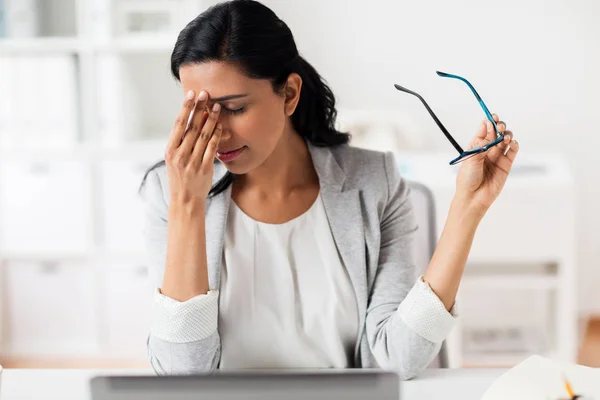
(254, 117)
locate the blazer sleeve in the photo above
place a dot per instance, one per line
(183, 336)
(406, 322)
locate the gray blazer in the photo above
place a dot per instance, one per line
(402, 323)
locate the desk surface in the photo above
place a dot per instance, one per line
(32, 384)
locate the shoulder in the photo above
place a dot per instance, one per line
(154, 190)
(368, 169)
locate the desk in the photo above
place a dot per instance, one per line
(21, 384)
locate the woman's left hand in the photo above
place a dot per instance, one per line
(482, 177)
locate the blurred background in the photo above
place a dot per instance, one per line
(87, 101)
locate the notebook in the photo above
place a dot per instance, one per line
(544, 379)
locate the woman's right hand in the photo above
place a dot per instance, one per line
(191, 150)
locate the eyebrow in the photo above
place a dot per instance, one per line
(229, 97)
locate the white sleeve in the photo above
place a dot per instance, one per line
(425, 314)
(184, 322)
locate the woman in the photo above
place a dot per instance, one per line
(294, 250)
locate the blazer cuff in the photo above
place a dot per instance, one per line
(184, 322)
(425, 314)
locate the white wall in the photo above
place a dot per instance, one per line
(536, 63)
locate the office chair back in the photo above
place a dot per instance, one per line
(425, 242)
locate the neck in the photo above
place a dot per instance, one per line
(288, 168)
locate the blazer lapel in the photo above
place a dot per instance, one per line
(217, 209)
(343, 209)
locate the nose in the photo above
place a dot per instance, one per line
(226, 135)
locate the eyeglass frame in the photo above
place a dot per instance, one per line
(463, 154)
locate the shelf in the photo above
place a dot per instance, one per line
(93, 254)
(130, 256)
(141, 44)
(75, 151)
(41, 45)
(135, 150)
(512, 282)
(43, 256)
(501, 360)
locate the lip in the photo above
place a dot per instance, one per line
(230, 155)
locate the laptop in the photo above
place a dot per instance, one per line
(234, 385)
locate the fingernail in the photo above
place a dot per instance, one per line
(202, 96)
(190, 95)
(216, 107)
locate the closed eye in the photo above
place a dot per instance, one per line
(235, 111)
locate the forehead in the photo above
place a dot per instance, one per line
(217, 78)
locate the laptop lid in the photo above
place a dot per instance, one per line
(359, 385)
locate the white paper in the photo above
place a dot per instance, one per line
(539, 378)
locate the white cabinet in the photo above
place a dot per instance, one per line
(31, 18)
(123, 215)
(158, 17)
(138, 99)
(50, 308)
(39, 109)
(520, 323)
(509, 264)
(45, 207)
(87, 101)
(127, 296)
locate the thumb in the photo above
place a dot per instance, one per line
(477, 141)
(482, 130)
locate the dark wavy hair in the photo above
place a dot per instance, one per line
(250, 35)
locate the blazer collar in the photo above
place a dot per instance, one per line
(328, 170)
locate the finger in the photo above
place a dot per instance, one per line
(206, 133)
(191, 136)
(512, 151)
(181, 121)
(212, 147)
(493, 135)
(490, 132)
(506, 161)
(505, 144)
(508, 137)
(498, 150)
(476, 142)
(195, 126)
(481, 130)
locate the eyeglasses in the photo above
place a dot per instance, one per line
(463, 154)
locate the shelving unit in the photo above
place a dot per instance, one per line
(517, 296)
(86, 107)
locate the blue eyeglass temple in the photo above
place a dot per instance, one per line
(463, 155)
(481, 103)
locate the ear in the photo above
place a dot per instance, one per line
(292, 91)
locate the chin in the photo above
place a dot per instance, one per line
(238, 167)
(246, 163)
